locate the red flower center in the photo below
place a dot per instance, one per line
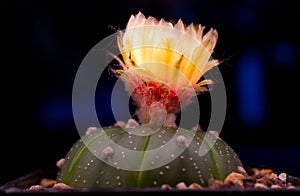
(151, 92)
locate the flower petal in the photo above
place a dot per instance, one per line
(177, 55)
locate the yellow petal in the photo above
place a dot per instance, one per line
(177, 55)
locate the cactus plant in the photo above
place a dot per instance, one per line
(161, 67)
(83, 168)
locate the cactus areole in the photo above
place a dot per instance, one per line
(161, 67)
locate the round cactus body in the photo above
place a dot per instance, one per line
(113, 157)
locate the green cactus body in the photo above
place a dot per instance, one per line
(147, 167)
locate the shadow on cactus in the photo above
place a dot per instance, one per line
(162, 66)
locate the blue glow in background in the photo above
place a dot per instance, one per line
(251, 90)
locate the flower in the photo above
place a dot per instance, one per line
(163, 63)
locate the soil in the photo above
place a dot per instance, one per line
(246, 180)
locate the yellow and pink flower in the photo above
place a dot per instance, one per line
(164, 62)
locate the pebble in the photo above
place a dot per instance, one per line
(246, 178)
(46, 182)
(181, 185)
(166, 187)
(61, 186)
(235, 179)
(282, 177)
(260, 185)
(36, 188)
(195, 186)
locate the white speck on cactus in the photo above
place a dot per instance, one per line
(107, 152)
(215, 133)
(170, 120)
(181, 141)
(120, 124)
(90, 130)
(196, 128)
(60, 163)
(131, 123)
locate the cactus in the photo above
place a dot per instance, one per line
(83, 168)
(161, 67)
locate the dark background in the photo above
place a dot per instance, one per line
(44, 43)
